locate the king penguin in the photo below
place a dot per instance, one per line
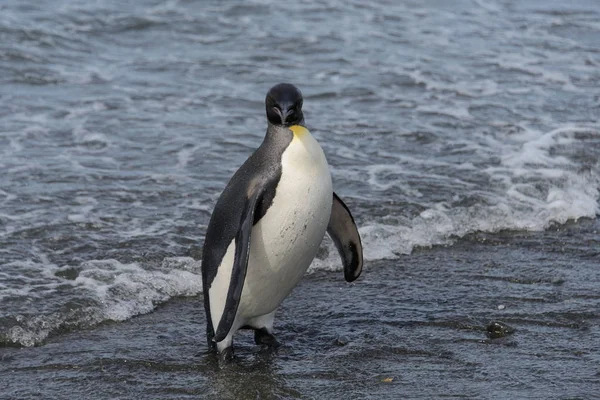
(267, 226)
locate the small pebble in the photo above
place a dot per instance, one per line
(497, 329)
(557, 280)
(342, 340)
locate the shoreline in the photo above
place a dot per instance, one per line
(410, 328)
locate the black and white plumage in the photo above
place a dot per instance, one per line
(267, 226)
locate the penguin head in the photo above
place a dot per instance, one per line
(284, 105)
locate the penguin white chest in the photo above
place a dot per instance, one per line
(285, 241)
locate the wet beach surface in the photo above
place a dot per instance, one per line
(409, 328)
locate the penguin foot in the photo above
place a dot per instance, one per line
(225, 356)
(212, 347)
(263, 337)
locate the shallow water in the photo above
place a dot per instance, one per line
(120, 125)
(415, 327)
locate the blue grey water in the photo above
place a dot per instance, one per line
(464, 136)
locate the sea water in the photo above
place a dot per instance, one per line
(120, 124)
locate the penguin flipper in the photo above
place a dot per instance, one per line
(240, 265)
(344, 233)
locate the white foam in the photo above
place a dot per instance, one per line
(531, 188)
(126, 290)
(114, 291)
(184, 156)
(473, 88)
(460, 113)
(533, 67)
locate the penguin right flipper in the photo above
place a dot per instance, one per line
(344, 233)
(240, 263)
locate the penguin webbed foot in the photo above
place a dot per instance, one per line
(262, 337)
(226, 356)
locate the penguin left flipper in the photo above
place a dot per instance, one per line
(344, 233)
(240, 264)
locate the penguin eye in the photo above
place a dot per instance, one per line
(296, 107)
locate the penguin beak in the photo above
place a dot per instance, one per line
(285, 115)
(282, 114)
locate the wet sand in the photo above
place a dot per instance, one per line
(416, 327)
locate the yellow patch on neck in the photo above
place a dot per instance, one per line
(299, 131)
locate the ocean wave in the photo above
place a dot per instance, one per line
(82, 296)
(538, 179)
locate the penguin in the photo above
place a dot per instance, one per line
(267, 225)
